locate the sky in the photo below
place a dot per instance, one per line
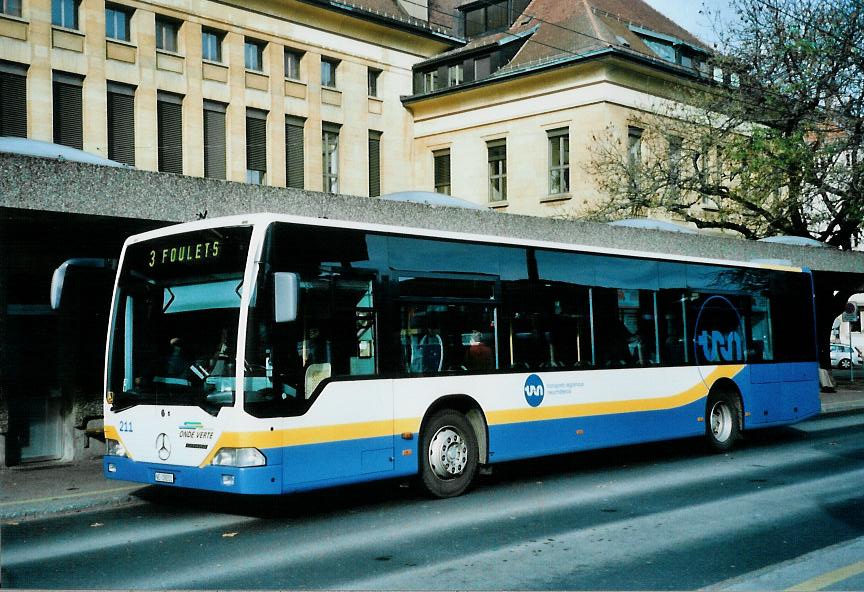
(687, 14)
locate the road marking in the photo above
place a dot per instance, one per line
(70, 495)
(826, 579)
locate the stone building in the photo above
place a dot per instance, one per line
(493, 101)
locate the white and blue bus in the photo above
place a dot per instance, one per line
(270, 354)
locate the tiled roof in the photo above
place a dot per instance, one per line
(564, 28)
(443, 13)
(392, 13)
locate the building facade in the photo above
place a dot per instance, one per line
(287, 93)
(497, 102)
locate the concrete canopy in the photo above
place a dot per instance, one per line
(50, 185)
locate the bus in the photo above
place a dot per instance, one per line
(270, 354)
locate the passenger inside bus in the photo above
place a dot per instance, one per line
(479, 356)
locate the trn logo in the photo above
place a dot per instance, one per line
(717, 346)
(719, 335)
(534, 390)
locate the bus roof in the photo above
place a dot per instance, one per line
(269, 217)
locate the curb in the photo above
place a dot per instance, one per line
(73, 503)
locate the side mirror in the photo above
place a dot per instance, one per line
(59, 277)
(286, 291)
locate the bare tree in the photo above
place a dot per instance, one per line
(772, 143)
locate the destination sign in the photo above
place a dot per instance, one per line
(201, 253)
(187, 253)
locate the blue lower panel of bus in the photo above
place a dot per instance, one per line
(260, 480)
(776, 394)
(289, 469)
(525, 440)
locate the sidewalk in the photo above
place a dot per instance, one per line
(31, 491)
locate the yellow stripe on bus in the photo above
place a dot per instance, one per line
(375, 429)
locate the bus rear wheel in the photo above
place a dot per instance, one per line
(721, 421)
(448, 454)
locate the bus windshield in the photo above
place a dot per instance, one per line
(175, 322)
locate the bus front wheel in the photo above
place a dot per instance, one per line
(721, 421)
(448, 454)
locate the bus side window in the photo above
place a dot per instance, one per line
(440, 338)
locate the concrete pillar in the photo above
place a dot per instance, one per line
(276, 119)
(39, 78)
(312, 143)
(146, 142)
(193, 104)
(94, 93)
(4, 372)
(235, 117)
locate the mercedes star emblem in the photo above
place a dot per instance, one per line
(163, 446)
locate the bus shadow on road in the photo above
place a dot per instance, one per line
(318, 503)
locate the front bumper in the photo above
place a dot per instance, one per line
(266, 480)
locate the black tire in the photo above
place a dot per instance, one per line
(845, 363)
(722, 417)
(447, 435)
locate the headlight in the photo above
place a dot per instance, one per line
(239, 457)
(114, 448)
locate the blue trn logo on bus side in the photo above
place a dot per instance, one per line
(534, 390)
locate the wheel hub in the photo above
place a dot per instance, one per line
(448, 453)
(721, 421)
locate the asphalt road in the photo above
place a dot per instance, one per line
(647, 517)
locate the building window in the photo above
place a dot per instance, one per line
(64, 13)
(430, 81)
(294, 152)
(13, 101)
(374, 163)
(328, 72)
(330, 148)
(214, 140)
(121, 123)
(634, 155)
(455, 74)
(169, 132)
(117, 22)
(211, 45)
(497, 170)
(441, 165)
(256, 146)
(372, 77)
(559, 161)
(254, 55)
(68, 112)
(663, 49)
(166, 34)
(494, 16)
(10, 7)
(634, 147)
(292, 63)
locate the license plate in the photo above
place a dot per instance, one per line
(164, 477)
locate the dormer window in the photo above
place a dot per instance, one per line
(672, 49)
(489, 16)
(663, 49)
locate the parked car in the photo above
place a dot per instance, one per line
(843, 356)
